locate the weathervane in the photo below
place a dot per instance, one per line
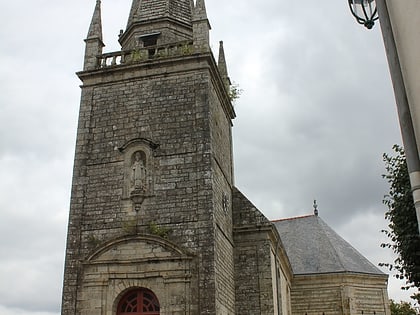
(315, 208)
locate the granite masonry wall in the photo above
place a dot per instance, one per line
(165, 113)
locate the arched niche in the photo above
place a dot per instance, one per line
(139, 169)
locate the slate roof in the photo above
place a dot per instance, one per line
(314, 248)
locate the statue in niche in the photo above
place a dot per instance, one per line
(138, 176)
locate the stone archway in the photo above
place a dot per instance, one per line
(139, 301)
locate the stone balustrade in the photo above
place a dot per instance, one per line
(143, 54)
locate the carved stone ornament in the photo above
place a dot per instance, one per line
(138, 176)
(138, 173)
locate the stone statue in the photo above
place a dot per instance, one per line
(138, 173)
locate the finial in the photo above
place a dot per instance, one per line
(95, 29)
(94, 43)
(315, 208)
(133, 16)
(200, 11)
(222, 66)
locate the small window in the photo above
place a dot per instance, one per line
(139, 302)
(150, 40)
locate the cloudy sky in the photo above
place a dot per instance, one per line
(316, 113)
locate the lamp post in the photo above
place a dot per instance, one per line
(364, 11)
(402, 54)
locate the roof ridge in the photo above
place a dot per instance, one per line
(293, 218)
(328, 237)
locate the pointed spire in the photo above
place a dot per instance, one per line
(135, 6)
(171, 18)
(200, 12)
(222, 66)
(146, 11)
(95, 29)
(94, 43)
(201, 26)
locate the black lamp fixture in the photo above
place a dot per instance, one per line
(364, 11)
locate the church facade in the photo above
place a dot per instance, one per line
(156, 224)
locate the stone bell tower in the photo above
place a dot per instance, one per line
(150, 225)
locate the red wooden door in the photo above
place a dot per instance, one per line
(139, 302)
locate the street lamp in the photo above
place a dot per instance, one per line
(364, 11)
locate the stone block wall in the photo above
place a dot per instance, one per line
(262, 272)
(160, 110)
(253, 277)
(340, 293)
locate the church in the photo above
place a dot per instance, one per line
(156, 224)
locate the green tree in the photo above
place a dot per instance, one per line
(403, 235)
(402, 308)
(234, 92)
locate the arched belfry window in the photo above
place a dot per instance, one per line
(139, 301)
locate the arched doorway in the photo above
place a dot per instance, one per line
(139, 301)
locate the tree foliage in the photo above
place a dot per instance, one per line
(402, 308)
(403, 234)
(234, 91)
